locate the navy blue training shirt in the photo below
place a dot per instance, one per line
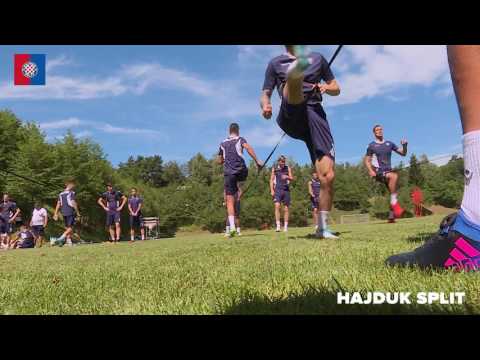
(276, 75)
(381, 154)
(231, 150)
(280, 181)
(7, 209)
(66, 199)
(112, 199)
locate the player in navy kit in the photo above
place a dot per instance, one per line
(298, 77)
(378, 161)
(280, 190)
(235, 169)
(135, 204)
(314, 192)
(67, 205)
(110, 202)
(8, 214)
(237, 197)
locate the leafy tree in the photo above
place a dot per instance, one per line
(415, 176)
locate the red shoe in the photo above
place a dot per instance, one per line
(397, 210)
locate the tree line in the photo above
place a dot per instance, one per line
(191, 194)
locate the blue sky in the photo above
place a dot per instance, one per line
(176, 101)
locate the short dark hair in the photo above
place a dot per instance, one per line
(234, 128)
(376, 126)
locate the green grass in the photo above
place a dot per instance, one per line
(258, 273)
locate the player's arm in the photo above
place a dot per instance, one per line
(329, 87)
(75, 206)
(272, 185)
(266, 103)
(57, 208)
(310, 190)
(220, 158)
(269, 85)
(403, 150)
(12, 219)
(368, 164)
(290, 174)
(251, 152)
(139, 208)
(101, 202)
(124, 200)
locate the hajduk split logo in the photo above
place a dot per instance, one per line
(29, 69)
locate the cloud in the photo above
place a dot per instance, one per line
(91, 126)
(61, 124)
(381, 70)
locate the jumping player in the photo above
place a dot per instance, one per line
(297, 76)
(8, 214)
(68, 206)
(280, 190)
(314, 191)
(135, 204)
(378, 161)
(237, 198)
(38, 223)
(110, 202)
(457, 243)
(235, 169)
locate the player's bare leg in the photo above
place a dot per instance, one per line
(278, 216)
(285, 218)
(326, 176)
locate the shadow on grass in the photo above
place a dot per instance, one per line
(420, 237)
(323, 301)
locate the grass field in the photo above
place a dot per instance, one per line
(258, 273)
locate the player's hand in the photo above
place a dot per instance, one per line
(105, 208)
(259, 164)
(119, 209)
(372, 173)
(322, 88)
(272, 193)
(404, 142)
(267, 111)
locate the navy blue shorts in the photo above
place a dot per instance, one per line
(38, 230)
(69, 220)
(26, 244)
(136, 221)
(308, 122)
(314, 202)
(282, 197)
(232, 180)
(381, 176)
(113, 217)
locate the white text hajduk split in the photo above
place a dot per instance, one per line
(422, 298)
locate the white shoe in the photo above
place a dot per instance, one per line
(285, 230)
(325, 234)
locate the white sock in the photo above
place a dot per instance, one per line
(471, 193)
(143, 237)
(393, 198)
(231, 220)
(238, 230)
(278, 225)
(69, 240)
(227, 229)
(132, 237)
(61, 237)
(285, 226)
(322, 220)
